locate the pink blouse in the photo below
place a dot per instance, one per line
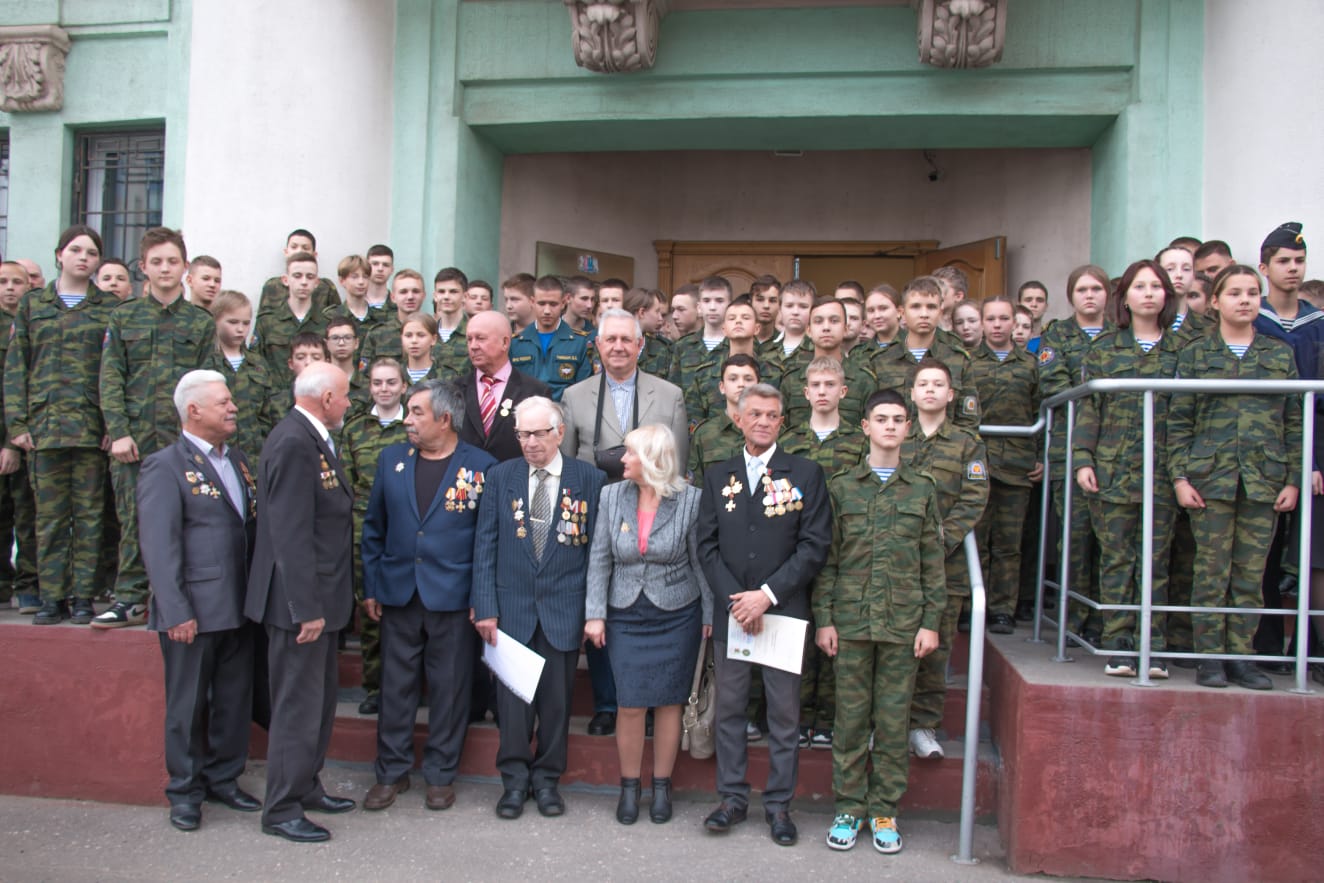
(645, 527)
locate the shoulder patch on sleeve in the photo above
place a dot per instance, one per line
(1046, 355)
(975, 471)
(970, 404)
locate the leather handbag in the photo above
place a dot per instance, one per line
(609, 460)
(698, 723)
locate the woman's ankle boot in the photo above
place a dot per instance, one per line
(627, 808)
(660, 809)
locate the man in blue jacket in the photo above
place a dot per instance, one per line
(418, 543)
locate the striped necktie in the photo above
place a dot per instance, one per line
(487, 405)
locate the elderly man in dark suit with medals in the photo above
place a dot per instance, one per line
(765, 526)
(536, 519)
(196, 506)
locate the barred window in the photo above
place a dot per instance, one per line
(4, 196)
(119, 178)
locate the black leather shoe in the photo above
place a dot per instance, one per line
(660, 809)
(234, 797)
(511, 804)
(627, 807)
(51, 613)
(722, 819)
(328, 804)
(1286, 669)
(370, 704)
(1001, 624)
(299, 830)
(185, 816)
(549, 802)
(602, 724)
(82, 611)
(1211, 674)
(783, 829)
(1243, 674)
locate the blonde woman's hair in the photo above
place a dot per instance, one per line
(655, 446)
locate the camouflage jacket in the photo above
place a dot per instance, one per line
(1062, 349)
(712, 441)
(51, 381)
(884, 578)
(892, 366)
(687, 354)
(840, 451)
(272, 336)
(452, 356)
(860, 384)
(275, 292)
(148, 348)
(1110, 429)
(955, 459)
(382, 342)
(1008, 396)
(255, 398)
(362, 327)
(655, 359)
(1216, 440)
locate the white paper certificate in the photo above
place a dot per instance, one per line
(515, 665)
(781, 644)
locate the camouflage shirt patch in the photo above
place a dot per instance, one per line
(1046, 355)
(975, 471)
(970, 404)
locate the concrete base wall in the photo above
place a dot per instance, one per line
(1173, 783)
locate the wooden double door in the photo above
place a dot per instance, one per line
(828, 263)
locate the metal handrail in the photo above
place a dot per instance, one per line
(973, 696)
(1308, 389)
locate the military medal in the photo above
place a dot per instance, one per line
(517, 508)
(399, 467)
(505, 407)
(733, 487)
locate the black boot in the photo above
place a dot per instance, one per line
(627, 808)
(660, 809)
(1210, 673)
(51, 613)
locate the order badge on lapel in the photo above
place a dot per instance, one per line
(517, 509)
(780, 496)
(733, 487)
(571, 526)
(328, 475)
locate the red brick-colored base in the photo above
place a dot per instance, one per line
(1100, 778)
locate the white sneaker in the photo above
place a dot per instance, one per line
(924, 744)
(752, 732)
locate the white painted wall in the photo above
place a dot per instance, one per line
(621, 202)
(289, 125)
(1263, 123)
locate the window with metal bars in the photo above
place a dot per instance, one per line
(119, 179)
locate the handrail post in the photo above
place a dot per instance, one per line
(1064, 566)
(1303, 506)
(1146, 548)
(973, 696)
(1045, 495)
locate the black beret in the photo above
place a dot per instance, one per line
(1285, 236)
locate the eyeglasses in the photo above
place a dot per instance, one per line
(341, 338)
(539, 434)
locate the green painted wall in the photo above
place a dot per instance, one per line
(125, 69)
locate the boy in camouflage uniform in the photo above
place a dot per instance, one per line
(827, 328)
(718, 438)
(353, 273)
(878, 603)
(297, 314)
(835, 445)
(1006, 378)
(954, 458)
(18, 509)
(384, 339)
(451, 354)
(697, 347)
(703, 398)
(151, 342)
(362, 441)
(276, 290)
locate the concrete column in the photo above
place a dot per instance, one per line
(289, 125)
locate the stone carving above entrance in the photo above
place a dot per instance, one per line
(615, 36)
(32, 67)
(961, 33)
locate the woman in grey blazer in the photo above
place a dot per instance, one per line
(648, 600)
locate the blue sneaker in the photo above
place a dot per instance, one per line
(886, 838)
(845, 828)
(28, 604)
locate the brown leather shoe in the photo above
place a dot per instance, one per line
(440, 797)
(381, 796)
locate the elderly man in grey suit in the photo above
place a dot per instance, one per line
(196, 506)
(535, 522)
(599, 413)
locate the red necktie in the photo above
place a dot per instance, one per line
(487, 404)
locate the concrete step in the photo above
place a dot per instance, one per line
(935, 785)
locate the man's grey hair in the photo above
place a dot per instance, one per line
(443, 397)
(316, 379)
(760, 391)
(533, 404)
(189, 389)
(618, 313)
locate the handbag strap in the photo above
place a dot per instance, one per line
(699, 667)
(602, 394)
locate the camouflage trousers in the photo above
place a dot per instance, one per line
(818, 686)
(18, 525)
(370, 632)
(131, 579)
(109, 559)
(1181, 571)
(999, 533)
(1118, 527)
(1232, 538)
(1082, 569)
(926, 706)
(875, 681)
(68, 487)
